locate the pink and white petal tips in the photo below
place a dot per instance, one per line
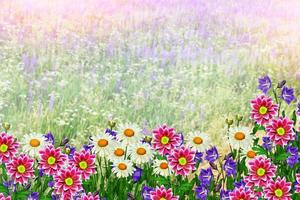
(165, 139)
(281, 131)
(8, 147)
(162, 193)
(20, 168)
(84, 162)
(67, 183)
(182, 160)
(261, 170)
(297, 187)
(263, 109)
(90, 196)
(52, 160)
(278, 190)
(242, 193)
(2, 197)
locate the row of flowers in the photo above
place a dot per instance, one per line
(122, 163)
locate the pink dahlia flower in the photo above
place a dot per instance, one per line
(52, 160)
(263, 109)
(162, 193)
(278, 190)
(20, 168)
(165, 139)
(2, 197)
(241, 193)
(261, 171)
(8, 147)
(90, 196)
(280, 131)
(297, 188)
(182, 160)
(67, 183)
(85, 163)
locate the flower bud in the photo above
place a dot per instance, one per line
(229, 121)
(112, 124)
(6, 126)
(64, 142)
(148, 139)
(213, 165)
(281, 84)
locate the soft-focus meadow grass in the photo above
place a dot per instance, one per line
(69, 66)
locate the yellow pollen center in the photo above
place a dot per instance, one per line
(21, 169)
(122, 166)
(163, 165)
(251, 154)
(129, 132)
(278, 192)
(165, 140)
(102, 143)
(163, 198)
(51, 160)
(119, 152)
(197, 140)
(141, 151)
(83, 165)
(34, 143)
(69, 181)
(239, 136)
(182, 161)
(261, 172)
(280, 131)
(263, 110)
(3, 148)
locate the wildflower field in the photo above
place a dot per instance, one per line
(149, 100)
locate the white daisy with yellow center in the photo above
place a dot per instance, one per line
(240, 137)
(102, 144)
(198, 141)
(122, 168)
(118, 152)
(161, 167)
(129, 134)
(33, 143)
(249, 153)
(140, 153)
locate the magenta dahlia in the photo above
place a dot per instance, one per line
(20, 168)
(162, 193)
(84, 161)
(90, 196)
(241, 193)
(165, 139)
(67, 183)
(261, 171)
(8, 147)
(263, 109)
(182, 160)
(297, 188)
(280, 131)
(52, 160)
(2, 197)
(278, 190)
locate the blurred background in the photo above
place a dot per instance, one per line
(69, 66)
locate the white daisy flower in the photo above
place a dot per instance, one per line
(140, 153)
(118, 152)
(123, 168)
(33, 143)
(129, 134)
(161, 167)
(102, 144)
(198, 141)
(248, 153)
(239, 137)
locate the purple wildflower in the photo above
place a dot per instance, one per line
(294, 156)
(205, 176)
(212, 154)
(88, 147)
(267, 143)
(239, 184)
(51, 184)
(33, 196)
(224, 195)
(137, 174)
(198, 157)
(146, 192)
(287, 94)
(41, 172)
(264, 84)
(111, 132)
(298, 109)
(50, 138)
(230, 167)
(201, 192)
(70, 151)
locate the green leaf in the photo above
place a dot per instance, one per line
(3, 189)
(294, 117)
(282, 156)
(259, 150)
(21, 194)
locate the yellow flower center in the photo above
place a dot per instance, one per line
(182, 161)
(278, 192)
(129, 132)
(34, 143)
(239, 136)
(83, 165)
(51, 160)
(251, 154)
(261, 172)
(163, 165)
(21, 169)
(280, 131)
(3, 148)
(119, 152)
(263, 110)
(141, 151)
(165, 140)
(122, 166)
(69, 181)
(162, 198)
(197, 140)
(102, 143)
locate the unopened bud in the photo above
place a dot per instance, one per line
(6, 126)
(64, 142)
(281, 84)
(229, 121)
(112, 124)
